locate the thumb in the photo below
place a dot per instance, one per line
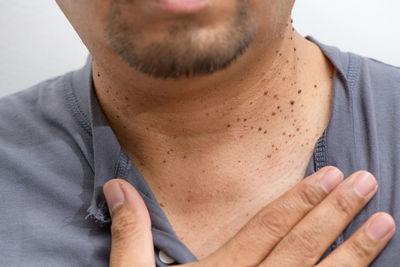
(132, 242)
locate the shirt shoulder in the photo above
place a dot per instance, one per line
(40, 114)
(379, 76)
(46, 179)
(376, 95)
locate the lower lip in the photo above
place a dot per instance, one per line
(180, 6)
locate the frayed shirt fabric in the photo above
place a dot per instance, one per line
(57, 150)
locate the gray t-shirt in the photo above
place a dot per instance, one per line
(57, 150)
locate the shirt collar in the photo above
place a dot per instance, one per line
(108, 160)
(338, 59)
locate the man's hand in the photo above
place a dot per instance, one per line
(293, 230)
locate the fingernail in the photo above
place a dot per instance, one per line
(331, 179)
(380, 226)
(364, 184)
(114, 195)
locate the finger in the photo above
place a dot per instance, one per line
(310, 238)
(132, 243)
(365, 244)
(253, 242)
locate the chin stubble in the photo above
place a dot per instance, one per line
(180, 54)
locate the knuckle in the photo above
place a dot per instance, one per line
(361, 249)
(274, 222)
(343, 204)
(306, 242)
(310, 195)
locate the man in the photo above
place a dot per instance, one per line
(214, 111)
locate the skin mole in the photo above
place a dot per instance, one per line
(266, 93)
(299, 91)
(292, 102)
(228, 125)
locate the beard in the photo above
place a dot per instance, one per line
(185, 49)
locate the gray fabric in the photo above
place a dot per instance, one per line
(57, 150)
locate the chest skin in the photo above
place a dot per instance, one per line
(208, 199)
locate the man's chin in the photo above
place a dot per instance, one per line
(183, 49)
(163, 62)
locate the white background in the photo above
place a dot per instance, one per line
(37, 42)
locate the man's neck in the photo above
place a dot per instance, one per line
(232, 141)
(257, 94)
